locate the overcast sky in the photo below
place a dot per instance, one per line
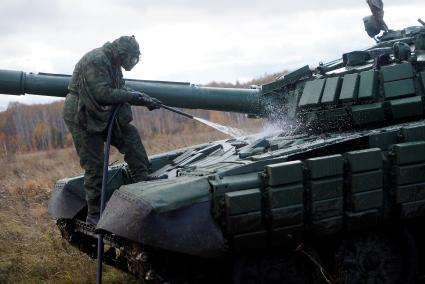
(189, 40)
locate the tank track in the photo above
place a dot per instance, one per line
(119, 253)
(150, 265)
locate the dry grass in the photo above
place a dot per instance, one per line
(31, 249)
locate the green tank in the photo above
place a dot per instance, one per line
(336, 197)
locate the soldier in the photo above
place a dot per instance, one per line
(96, 86)
(377, 8)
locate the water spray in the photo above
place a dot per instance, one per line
(234, 132)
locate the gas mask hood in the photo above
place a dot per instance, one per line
(128, 51)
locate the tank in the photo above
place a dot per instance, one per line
(337, 196)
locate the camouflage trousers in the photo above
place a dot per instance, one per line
(90, 149)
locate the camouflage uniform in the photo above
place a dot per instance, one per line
(96, 85)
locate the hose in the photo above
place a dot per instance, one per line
(103, 191)
(111, 121)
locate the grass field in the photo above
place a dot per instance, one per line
(31, 248)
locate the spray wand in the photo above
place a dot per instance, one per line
(177, 111)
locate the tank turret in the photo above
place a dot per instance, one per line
(380, 85)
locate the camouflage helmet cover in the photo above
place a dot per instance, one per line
(128, 51)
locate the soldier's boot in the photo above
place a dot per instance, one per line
(92, 186)
(137, 175)
(93, 219)
(93, 211)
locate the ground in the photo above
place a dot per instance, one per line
(31, 248)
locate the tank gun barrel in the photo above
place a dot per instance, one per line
(175, 94)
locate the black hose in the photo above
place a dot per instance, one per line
(103, 192)
(105, 182)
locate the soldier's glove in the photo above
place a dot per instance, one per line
(156, 104)
(140, 99)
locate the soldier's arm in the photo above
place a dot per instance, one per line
(130, 89)
(99, 84)
(122, 83)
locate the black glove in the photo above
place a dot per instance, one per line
(140, 99)
(156, 104)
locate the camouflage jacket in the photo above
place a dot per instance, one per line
(97, 84)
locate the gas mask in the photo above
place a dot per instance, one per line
(128, 51)
(130, 61)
